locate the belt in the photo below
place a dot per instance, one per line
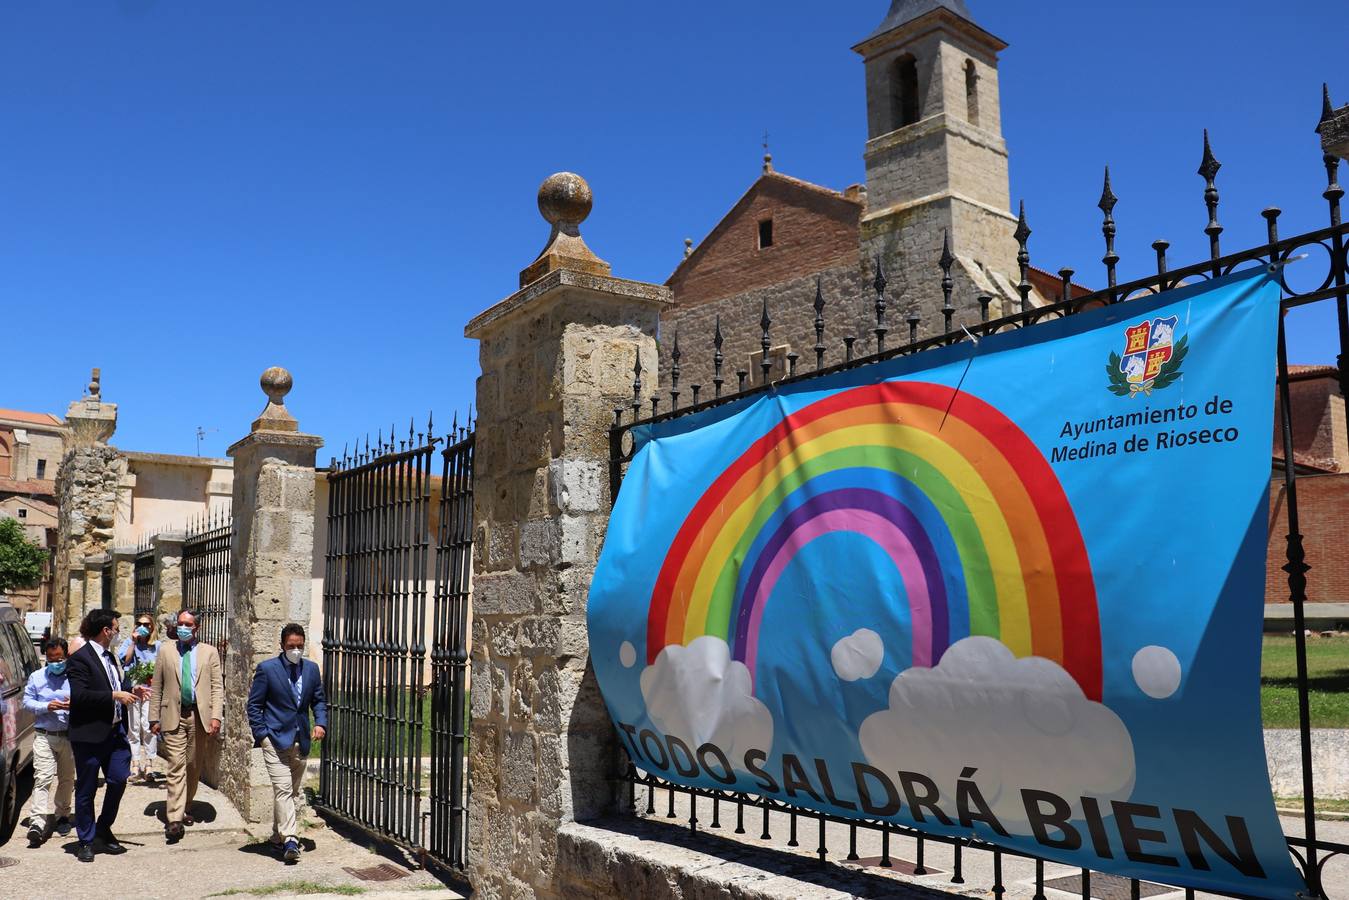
(61, 733)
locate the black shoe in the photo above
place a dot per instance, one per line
(174, 832)
(63, 826)
(35, 836)
(85, 853)
(110, 843)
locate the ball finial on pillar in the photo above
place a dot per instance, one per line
(276, 384)
(564, 201)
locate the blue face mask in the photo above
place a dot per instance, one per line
(184, 633)
(56, 668)
(142, 632)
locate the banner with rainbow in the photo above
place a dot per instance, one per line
(980, 591)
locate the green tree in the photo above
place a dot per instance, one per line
(20, 559)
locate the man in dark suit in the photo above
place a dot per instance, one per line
(285, 689)
(99, 695)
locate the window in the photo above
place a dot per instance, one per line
(904, 91)
(765, 233)
(23, 513)
(41, 468)
(971, 93)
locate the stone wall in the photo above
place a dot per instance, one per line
(86, 490)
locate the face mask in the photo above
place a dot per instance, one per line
(142, 632)
(184, 633)
(294, 656)
(56, 668)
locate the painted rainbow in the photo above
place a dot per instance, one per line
(978, 528)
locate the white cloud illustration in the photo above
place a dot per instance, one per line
(1022, 723)
(699, 694)
(858, 655)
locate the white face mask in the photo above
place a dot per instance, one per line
(294, 655)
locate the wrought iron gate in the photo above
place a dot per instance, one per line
(395, 755)
(206, 577)
(143, 581)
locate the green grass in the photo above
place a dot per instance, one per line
(293, 888)
(1327, 678)
(1322, 804)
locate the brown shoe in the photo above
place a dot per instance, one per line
(188, 820)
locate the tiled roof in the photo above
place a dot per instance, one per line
(34, 418)
(1299, 373)
(41, 488)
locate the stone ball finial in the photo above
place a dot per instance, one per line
(564, 199)
(276, 384)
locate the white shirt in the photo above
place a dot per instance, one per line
(114, 673)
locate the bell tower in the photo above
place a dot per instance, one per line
(935, 159)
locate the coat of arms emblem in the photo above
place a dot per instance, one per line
(1151, 358)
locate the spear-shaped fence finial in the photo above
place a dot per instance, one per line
(1208, 170)
(879, 284)
(947, 284)
(766, 362)
(674, 371)
(717, 358)
(1107, 207)
(1022, 234)
(819, 323)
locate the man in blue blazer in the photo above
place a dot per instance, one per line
(285, 688)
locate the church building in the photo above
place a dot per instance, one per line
(936, 169)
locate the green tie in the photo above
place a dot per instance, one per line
(188, 697)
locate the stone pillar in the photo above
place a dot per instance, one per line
(124, 578)
(557, 358)
(270, 572)
(93, 582)
(168, 572)
(86, 497)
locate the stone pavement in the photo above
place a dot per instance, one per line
(220, 856)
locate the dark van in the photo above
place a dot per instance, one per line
(18, 660)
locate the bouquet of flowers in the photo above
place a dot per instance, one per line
(141, 673)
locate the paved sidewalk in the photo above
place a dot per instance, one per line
(218, 856)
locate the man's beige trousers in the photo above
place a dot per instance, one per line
(53, 766)
(185, 747)
(285, 768)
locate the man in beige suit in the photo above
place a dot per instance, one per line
(186, 703)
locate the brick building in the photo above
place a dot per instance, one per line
(1321, 456)
(31, 445)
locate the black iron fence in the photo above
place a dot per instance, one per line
(395, 755)
(108, 575)
(143, 581)
(206, 576)
(1327, 281)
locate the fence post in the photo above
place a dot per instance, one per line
(93, 583)
(557, 357)
(271, 572)
(168, 595)
(124, 578)
(87, 484)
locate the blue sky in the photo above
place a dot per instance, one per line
(191, 193)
